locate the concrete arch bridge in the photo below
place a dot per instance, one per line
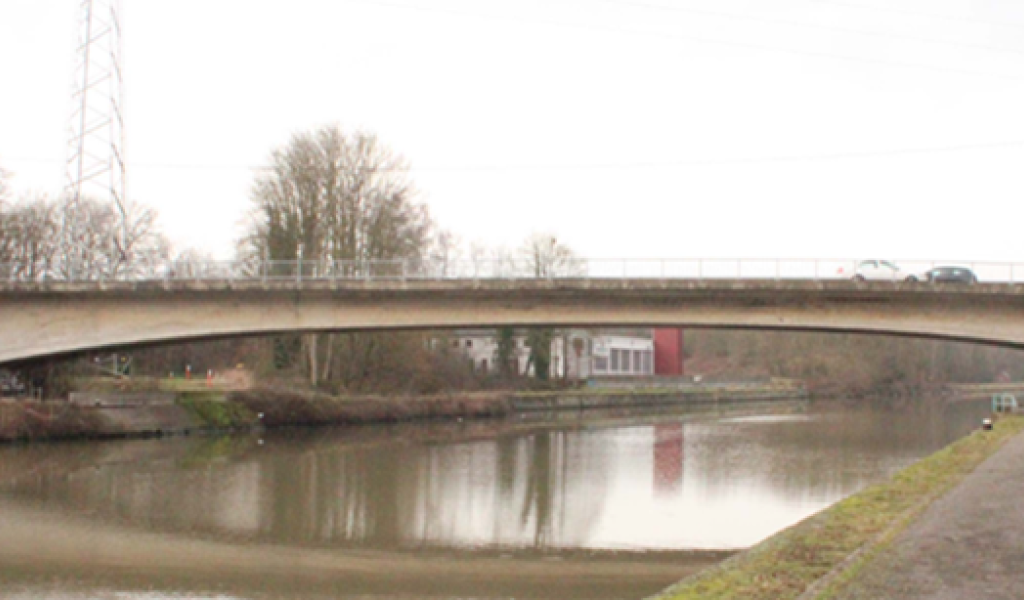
(40, 319)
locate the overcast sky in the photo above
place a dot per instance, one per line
(628, 128)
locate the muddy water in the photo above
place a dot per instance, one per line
(590, 505)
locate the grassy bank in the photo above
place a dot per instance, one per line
(29, 420)
(789, 563)
(131, 412)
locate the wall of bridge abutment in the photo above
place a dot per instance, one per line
(44, 320)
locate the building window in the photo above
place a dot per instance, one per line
(469, 343)
(601, 363)
(638, 365)
(455, 343)
(483, 365)
(648, 366)
(615, 361)
(625, 361)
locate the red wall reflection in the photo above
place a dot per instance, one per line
(668, 458)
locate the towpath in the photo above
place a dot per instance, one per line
(969, 544)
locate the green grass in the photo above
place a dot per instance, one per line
(785, 565)
(214, 410)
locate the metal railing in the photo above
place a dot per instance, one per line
(517, 269)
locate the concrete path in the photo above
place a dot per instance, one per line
(969, 544)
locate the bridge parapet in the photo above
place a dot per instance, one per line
(510, 269)
(752, 289)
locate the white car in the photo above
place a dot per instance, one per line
(878, 270)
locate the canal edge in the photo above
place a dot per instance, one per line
(721, 580)
(872, 548)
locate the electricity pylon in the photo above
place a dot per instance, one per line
(96, 136)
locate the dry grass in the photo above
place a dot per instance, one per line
(787, 564)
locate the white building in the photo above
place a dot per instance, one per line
(585, 353)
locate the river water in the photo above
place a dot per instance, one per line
(581, 505)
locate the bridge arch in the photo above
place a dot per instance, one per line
(46, 319)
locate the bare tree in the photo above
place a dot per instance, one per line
(445, 253)
(545, 257)
(28, 233)
(31, 240)
(338, 199)
(191, 264)
(140, 249)
(503, 263)
(110, 242)
(5, 188)
(478, 259)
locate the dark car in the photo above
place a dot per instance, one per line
(951, 275)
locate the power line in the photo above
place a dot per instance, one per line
(816, 26)
(703, 40)
(751, 160)
(926, 15)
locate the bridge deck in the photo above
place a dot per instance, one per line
(46, 318)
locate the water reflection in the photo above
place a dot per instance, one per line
(580, 487)
(668, 458)
(478, 508)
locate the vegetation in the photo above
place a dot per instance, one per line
(788, 563)
(506, 352)
(344, 200)
(216, 411)
(847, 364)
(28, 420)
(106, 243)
(4, 187)
(543, 256)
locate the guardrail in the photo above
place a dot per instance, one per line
(510, 269)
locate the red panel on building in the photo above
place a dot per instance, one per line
(668, 352)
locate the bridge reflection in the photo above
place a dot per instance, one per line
(596, 484)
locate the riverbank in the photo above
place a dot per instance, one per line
(112, 414)
(967, 544)
(820, 556)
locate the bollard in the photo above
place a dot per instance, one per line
(188, 371)
(986, 424)
(209, 378)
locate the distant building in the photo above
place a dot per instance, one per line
(624, 353)
(481, 347)
(575, 353)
